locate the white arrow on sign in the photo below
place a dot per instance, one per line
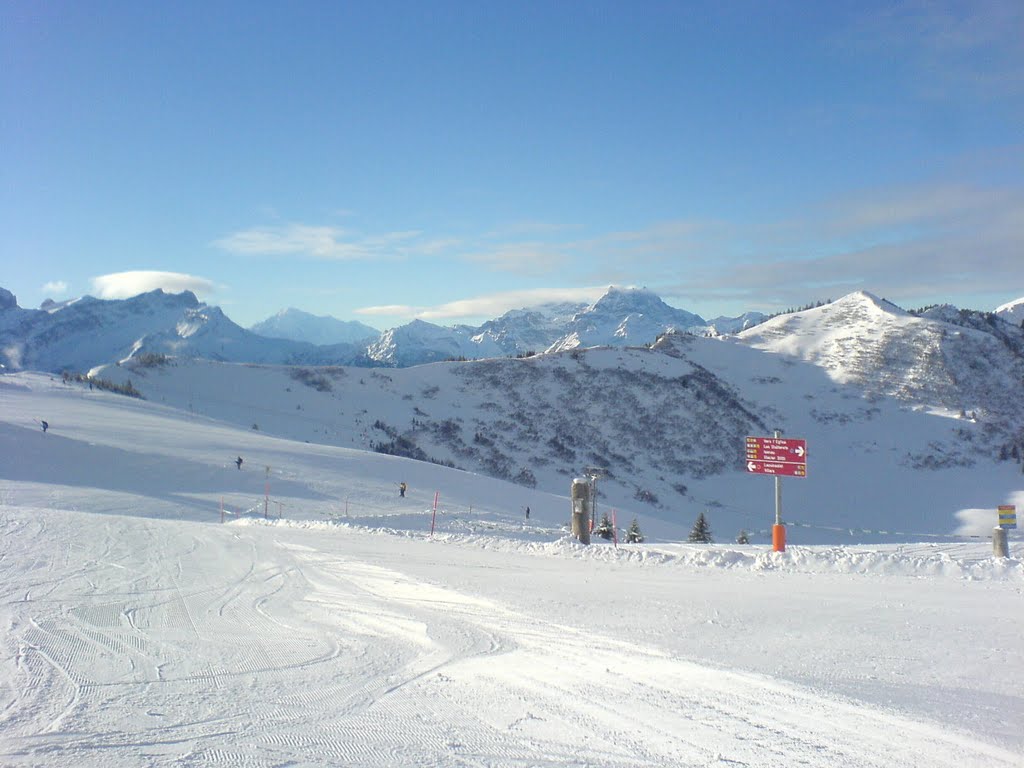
(751, 466)
(799, 450)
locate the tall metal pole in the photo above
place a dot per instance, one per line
(778, 500)
(593, 503)
(778, 530)
(778, 491)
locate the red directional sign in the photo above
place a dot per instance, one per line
(777, 456)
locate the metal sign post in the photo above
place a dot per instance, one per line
(777, 456)
(1007, 522)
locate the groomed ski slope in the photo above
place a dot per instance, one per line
(136, 629)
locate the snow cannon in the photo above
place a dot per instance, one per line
(582, 502)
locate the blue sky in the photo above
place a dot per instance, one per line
(382, 161)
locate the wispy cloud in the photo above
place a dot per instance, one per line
(293, 240)
(905, 244)
(321, 242)
(526, 258)
(952, 48)
(909, 243)
(599, 254)
(55, 288)
(489, 305)
(123, 285)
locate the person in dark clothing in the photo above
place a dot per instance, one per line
(401, 490)
(238, 462)
(527, 513)
(45, 426)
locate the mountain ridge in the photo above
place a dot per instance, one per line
(82, 333)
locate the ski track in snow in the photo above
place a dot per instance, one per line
(265, 651)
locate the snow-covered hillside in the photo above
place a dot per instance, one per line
(945, 360)
(137, 630)
(1012, 312)
(667, 425)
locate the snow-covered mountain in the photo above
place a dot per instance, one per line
(322, 330)
(421, 342)
(722, 326)
(81, 334)
(952, 361)
(625, 317)
(522, 331)
(7, 300)
(621, 317)
(1012, 312)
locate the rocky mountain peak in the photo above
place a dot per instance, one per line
(7, 299)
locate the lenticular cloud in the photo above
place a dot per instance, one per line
(123, 285)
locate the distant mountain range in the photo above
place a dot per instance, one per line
(83, 333)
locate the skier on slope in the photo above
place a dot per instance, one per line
(45, 426)
(401, 489)
(238, 462)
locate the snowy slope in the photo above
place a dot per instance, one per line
(136, 630)
(297, 325)
(940, 360)
(667, 424)
(1012, 312)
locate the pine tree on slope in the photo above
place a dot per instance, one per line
(633, 533)
(701, 533)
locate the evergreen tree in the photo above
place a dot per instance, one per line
(604, 527)
(701, 532)
(633, 533)
(744, 537)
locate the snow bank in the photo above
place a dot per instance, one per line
(971, 562)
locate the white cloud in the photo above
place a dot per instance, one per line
(55, 288)
(321, 242)
(909, 245)
(489, 305)
(122, 285)
(294, 239)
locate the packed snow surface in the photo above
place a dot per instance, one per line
(324, 624)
